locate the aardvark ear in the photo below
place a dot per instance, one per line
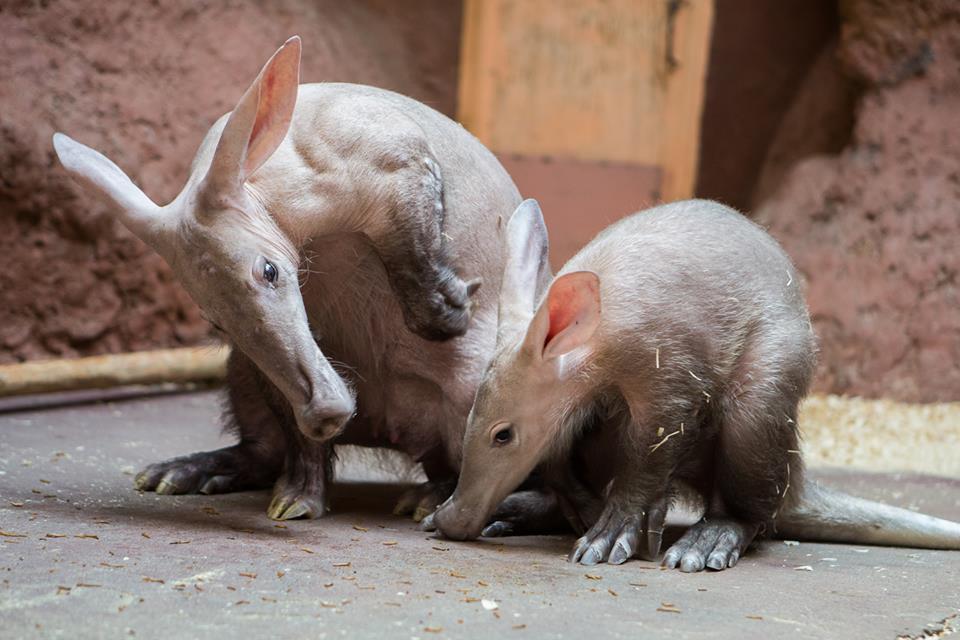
(107, 181)
(260, 120)
(527, 264)
(568, 317)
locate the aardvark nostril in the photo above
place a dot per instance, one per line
(451, 525)
(323, 421)
(330, 427)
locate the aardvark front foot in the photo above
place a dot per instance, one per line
(620, 534)
(301, 491)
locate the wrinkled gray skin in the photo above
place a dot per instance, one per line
(339, 217)
(667, 359)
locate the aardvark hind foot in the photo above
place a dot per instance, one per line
(714, 544)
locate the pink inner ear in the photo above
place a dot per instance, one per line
(276, 98)
(267, 90)
(563, 310)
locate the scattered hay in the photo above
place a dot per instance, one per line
(881, 435)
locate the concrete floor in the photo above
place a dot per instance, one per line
(84, 555)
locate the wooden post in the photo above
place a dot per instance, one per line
(683, 96)
(608, 94)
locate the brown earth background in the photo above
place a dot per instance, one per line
(837, 125)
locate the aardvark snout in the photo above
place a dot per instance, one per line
(456, 523)
(325, 419)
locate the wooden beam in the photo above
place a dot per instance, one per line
(140, 368)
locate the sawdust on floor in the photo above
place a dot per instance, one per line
(881, 435)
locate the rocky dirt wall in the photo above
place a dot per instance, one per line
(876, 228)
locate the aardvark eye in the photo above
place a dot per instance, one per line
(503, 436)
(270, 272)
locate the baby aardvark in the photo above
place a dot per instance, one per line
(670, 354)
